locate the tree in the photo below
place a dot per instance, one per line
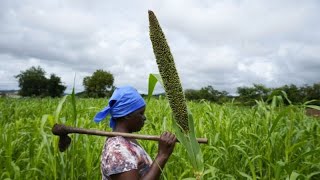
(33, 82)
(100, 84)
(207, 93)
(315, 94)
(294, 93)
(248, 95)
(191, 94)
(54, 86)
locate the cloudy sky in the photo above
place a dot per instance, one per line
(225, 44)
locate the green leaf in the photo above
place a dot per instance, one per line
(286, 97)
(294, 175)
(296, 146)
(314, 107)
(276, 121)
(153, 79)
(311, 101)
(303, 155)
(194, 144)
(188, 140)
(73, 102)
(312, 174)
(58, 110)
(245, 175)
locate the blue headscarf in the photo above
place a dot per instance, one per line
(124, 100)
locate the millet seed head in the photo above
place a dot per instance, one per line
(168, 72)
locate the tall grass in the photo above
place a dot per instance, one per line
(267, 141)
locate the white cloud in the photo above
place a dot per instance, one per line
(223, 43)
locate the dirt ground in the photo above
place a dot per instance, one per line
(313, 112)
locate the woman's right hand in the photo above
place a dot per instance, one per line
(166, 144)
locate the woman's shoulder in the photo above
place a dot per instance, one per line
(117, 156)
(115, 139)
(117, 142)
(119, 149)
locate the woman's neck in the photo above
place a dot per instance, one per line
(125, 130)
(121, 129)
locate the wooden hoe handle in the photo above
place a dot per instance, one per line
(63, 130)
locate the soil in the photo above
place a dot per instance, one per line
(313, 112)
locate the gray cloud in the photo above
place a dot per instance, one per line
(225, 44)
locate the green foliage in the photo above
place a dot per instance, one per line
(207, 93)
(268, 141)
(312, 92)
(188, 140)
(33, 82)
(153, 79)
(192, 94)
(55, 89)
(100, 84)
(186, 137)
(298, 95)
(248, 95)
(292, 91)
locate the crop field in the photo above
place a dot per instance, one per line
(267, 141)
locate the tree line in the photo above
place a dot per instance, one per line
(248, 95)
(33, 82)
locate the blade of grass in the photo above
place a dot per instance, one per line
(153, 79)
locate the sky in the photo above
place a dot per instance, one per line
(222, 43)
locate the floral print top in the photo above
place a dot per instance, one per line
(121, 155)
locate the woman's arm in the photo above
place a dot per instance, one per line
(165, 149)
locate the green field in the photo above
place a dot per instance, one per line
(262, 142)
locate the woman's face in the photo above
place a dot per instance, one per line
(136, 119)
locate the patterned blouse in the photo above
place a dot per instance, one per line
(121, 155)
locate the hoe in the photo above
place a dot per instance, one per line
(62, 131)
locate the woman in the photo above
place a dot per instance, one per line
(124, 158)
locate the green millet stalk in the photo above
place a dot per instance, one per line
(168, 72)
